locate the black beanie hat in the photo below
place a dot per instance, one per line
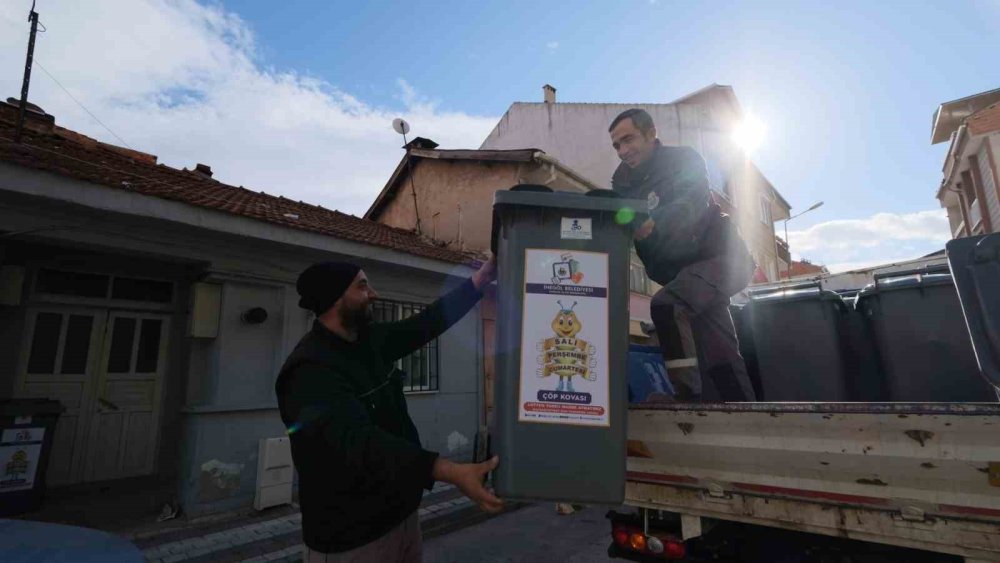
(321, 285)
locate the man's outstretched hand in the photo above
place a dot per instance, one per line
(486, 274)
(644, 229)
(469, 477)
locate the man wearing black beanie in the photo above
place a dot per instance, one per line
(361, 467)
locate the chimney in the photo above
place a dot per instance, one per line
(203, 169)
(550, 94)
(421, 143)
(35, 118)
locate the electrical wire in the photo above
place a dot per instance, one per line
(49, 74)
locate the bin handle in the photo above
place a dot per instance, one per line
(495, 232)
(919, 272)
(803, 285)
(986, 249)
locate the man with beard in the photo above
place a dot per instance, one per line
(361, 466)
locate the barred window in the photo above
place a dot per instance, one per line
(638, 281)
(420, 367)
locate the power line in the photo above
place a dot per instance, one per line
(49, 74)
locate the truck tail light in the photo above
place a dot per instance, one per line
(673, 549)
(662, 546)
(637, 541)
(620, 536)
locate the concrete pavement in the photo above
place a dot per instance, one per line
(534, 533)
(275, 534)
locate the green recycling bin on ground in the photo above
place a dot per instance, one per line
(562, 344)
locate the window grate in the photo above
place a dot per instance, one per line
(420, 367)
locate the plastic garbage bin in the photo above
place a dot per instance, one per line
(562, 345)
(975, 265)
(799, 351)
(647, 375)
(27, 427)
(744, 335)
(922, 341)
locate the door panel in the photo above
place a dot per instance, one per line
(137, 443)
(59, 362)
(128, 394)
(64, 448)
(104, 446)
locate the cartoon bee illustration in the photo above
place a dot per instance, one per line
(566, 324)
(565, 355)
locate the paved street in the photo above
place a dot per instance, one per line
(533, 533)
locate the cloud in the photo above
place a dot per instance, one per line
(552, 45)
(184, 81)
(849, 244)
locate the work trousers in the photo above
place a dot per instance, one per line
(402, 544)
(692, 319)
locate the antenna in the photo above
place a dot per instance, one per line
(400, 126)
(33, 18)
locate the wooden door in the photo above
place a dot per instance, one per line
(59, 361)
(125, 418)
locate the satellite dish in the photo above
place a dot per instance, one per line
(400, 126)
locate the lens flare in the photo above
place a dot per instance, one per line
(293, 428)
(625, 216)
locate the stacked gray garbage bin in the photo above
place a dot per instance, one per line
(798, 345)
(975, 264)
(921, 338)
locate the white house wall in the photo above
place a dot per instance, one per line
(580, 140)
(222, 388)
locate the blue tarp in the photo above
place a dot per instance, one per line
(646, 374)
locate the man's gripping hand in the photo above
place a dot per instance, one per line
(469, 477)
(644, 230)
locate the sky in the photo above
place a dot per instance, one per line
(296, 98)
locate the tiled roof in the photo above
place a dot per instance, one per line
(803, 269)
(64, 152)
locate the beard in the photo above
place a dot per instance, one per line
(358, 318)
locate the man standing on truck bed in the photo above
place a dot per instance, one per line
(361, 467)
(690, 248)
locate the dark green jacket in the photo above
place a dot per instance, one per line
(361, 467)
(689, 226)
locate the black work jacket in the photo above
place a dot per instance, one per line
(358, 454)
(690, 227)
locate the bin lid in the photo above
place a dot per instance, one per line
(30, 407)
(569, 201)
(794, 294)
(906, 280)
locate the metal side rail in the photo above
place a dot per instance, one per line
(923, 475)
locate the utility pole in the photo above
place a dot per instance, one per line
(33, 18)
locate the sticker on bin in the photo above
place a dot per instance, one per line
(581, 228)
(20, 449)
(564, 339)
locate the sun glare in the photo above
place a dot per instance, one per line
(749, 134)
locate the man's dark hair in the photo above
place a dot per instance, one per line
(642, 121)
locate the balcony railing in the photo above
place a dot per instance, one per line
(783, 253)
(975, 215)
(959, 230)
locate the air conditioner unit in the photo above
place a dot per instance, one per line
(274, 473)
